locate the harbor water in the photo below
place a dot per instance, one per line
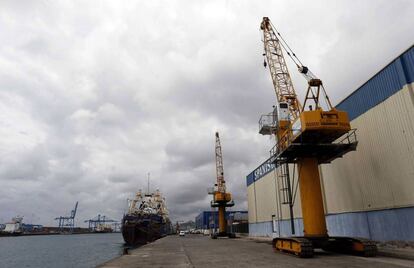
(79, 250)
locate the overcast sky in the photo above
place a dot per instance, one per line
(96, 94)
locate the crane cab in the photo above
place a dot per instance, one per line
(269, 124)
(283, 111)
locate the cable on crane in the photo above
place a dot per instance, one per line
(302, 69)
(287, 48)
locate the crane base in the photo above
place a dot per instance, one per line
(298, 246)
(303, 246)
(351, 245)
(223, 235)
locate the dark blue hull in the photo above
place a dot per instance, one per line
(142, 229)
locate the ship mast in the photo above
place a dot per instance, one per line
(148, 182)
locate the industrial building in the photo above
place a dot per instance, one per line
(209, 219)
(369, 192)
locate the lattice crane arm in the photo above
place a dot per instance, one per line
(221, 184)
(279, 72)
(282, 83)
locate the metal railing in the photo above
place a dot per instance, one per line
(349, 137)
(268, 123)
(211, 190)
(284, 142)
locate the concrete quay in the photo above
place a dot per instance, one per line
(202, 251)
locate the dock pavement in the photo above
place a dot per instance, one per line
(202, 251)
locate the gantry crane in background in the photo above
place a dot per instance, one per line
(305, 138)
(68, 221)
(221, 198)
(101, 224)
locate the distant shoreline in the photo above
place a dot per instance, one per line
(36, 234)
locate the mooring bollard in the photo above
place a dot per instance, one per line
(125, 251)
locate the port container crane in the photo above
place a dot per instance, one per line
(306, 136)
(68, 221)
(221, 198)
(97, 223)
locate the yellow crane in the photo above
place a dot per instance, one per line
(306, 136)
(221, 198)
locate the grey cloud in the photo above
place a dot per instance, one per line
(25, 166)
(236, 96)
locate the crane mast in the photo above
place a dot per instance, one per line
(305, 137)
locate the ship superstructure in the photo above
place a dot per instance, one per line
(15, 226)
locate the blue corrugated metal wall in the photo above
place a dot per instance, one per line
(384, 84)
(266, 228)
(379, 225)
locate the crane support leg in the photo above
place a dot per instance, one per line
(315, 231)
(222, 220)
(222, 232)
(311, 199)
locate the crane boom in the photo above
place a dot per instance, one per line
(282, 83)
(221, 184)
(73, 212)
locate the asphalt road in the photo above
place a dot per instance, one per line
(200, 251)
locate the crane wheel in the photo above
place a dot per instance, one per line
(365, 248)
(350, 245)
(300, 247)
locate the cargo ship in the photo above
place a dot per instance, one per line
(103, 228)
(146, 220)
(13, 228)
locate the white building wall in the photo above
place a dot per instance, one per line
(269, 200)
(380, 174)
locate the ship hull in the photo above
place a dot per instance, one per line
(141, 229)
(10, 234)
